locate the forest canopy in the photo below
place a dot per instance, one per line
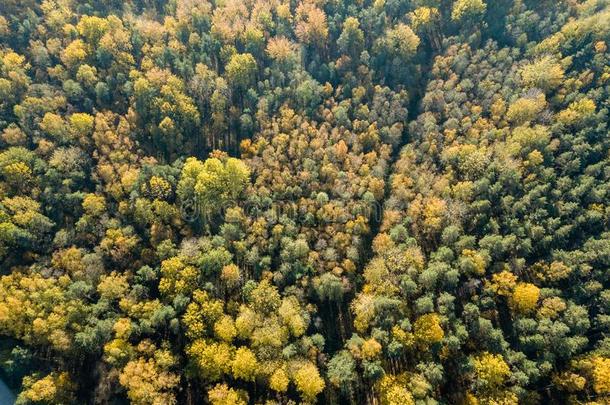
(395, 202)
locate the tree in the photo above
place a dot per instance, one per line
(281, 50)
(545, 74)
(178, 278)
(467, 9)
(53, 388)
(393, 390)
(524, 298)
(351, 40)
(74, 54)
(311, 27)
(491, 370)
(601, 375)
(342, 371)
(211, 185)
(213, 360)
(244, 364)
(401, 42)
(221, 394)
(526, 109)
(439, 168)
(427, 330)
(147, 383)
(308, 381)
(241, 70)
(225, 329)
(577, 111)
(92, 28)
(279, 381)
(167, 116)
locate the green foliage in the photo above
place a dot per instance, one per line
(213, 183)
(304, 202)
(241, 70)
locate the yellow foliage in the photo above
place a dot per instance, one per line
(245, 365)
(393, 390)
(117, 351)
(289, 311)
(281, 49)
(221, 394)
(81, 125)
(467, 8)
(69, 260)
(545, 74)
(94, 205)
(17, 173)
(308, 381)
(364, 310)
(230, 275)
(428, 330)
(159, 187)
(148, 384)
(13, 135)
(279, 380)
(422, 16)
(577, 111)
(402, 40)
(378, 278)
(37, 310)
(551, 307)
(503, 283)
(557, 271)
(525, 297)
(526, 109)
(382, 242)
(92, 28)
(491, 368)
(118, 243)
(430, 211)
(405, 338)
(87, 75)
(74, 53)
(52, 389)
(225, 329)
(502, 397)
(122, 328)
(245, 322)
(463, 190)
(177, 277)
(370, 349)
(213, 359)
(601, 375)
(53, 125)
(4, 30)
(113, 286)
(311, 27)
(477, 261)
(269, 335)
(201, 314)
(433, 212)
(165, 358)
(535, 158)
(569, 381)
(13, 61)
(525, 139)
(398, 395)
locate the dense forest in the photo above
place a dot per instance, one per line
(231, 202)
